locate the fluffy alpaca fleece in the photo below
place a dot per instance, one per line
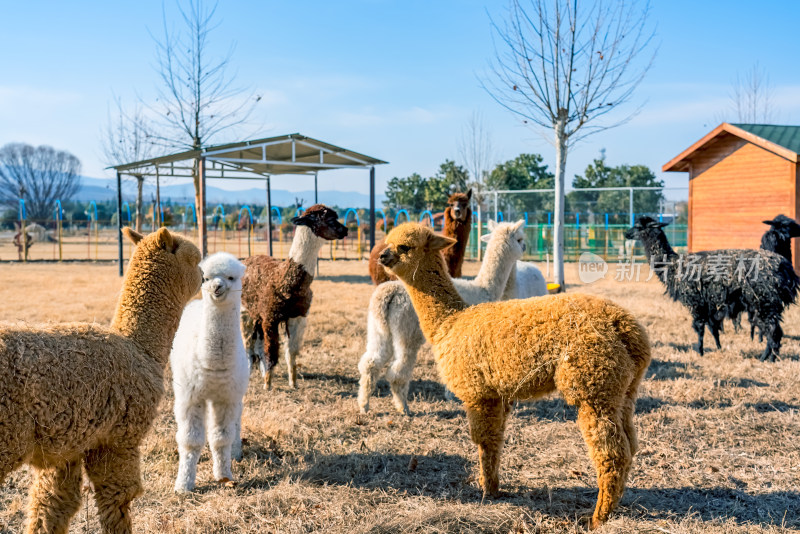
(722, 283)
(210, 371)
(394, 336)
(457, 224)
(526, 281)
(276, 293)
(589, 349)
(376, 270)
(77, 393)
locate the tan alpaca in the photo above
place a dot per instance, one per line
(76, 393)
(589, 349)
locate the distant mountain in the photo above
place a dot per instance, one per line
(100, 190)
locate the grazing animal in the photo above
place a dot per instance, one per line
(457, 224)
(589, 349)
(722, 283)
(276, 292)
(394, 336)
(210, 371)
(77, 393)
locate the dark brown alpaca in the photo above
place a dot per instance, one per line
(457, 225)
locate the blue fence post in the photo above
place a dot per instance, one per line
(549, 215)
(396, 217)
(606, 221)
(577, 220)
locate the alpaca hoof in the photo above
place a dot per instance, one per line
(697, 348)
(183, 490)
(225, 482)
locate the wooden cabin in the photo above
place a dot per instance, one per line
(740, 175)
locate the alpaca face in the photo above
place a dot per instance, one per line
(408, 245)
(785, 226)
(179, 257)
(645, 227)
(323, 221)
(507, 234)
(222, 276)
(459, 205)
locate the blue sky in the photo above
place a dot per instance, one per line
(393, 79)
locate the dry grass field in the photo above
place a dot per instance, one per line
(720, 435)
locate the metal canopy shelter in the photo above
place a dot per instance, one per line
(258, 159)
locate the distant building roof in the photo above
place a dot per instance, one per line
(781, 140)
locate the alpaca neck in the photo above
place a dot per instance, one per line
(657, 247)
(149, 311)
(433, 295)
(777, 243)
(496, 269)
(305, 248)
(510, 291)
(220, 327)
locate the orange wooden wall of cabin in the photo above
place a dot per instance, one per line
(734, 186)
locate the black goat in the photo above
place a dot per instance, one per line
(722, 283)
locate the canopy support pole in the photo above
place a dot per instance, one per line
(201, 209)
(371, 208)
(316, 201)
(119, 221)
(269, 216)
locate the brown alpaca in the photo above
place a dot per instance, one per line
(82, 393)
(276, 292)
(457, 225)
(589, 349)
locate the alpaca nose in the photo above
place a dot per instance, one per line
(385, 258)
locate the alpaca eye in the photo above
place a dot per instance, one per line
(205, 279)
(230, 278)
(403, 248)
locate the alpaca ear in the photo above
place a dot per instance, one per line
(132, 235)
(164, 240)
(517, 225)
(771, 223)
(469, 194)
(486, 238)
(440, 242)
(492, 225)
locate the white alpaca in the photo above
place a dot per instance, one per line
(526, 281)
(393, 332)
(210, 372)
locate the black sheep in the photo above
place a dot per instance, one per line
(721, 283)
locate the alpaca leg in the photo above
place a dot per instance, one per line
(774, 334)
(610, 450)
(699, 326)
(714, 326)
(400, 371)
(115, 476)
(221, 434)
(487, 423)
(236, 448)
(372, 364)
(295, 329)
(191, 438)
(272, 343)
(55, 497)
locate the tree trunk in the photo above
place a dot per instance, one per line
(139, 206)
(558, 224)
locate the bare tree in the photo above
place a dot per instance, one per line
(127, 139)
(562, 65)
(39, 176)
(197, 98)
(475, 149)
(751, 97)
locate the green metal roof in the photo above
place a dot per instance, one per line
(786, 136)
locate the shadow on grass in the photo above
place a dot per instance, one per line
(661, 370)
(774, 406)
(448, 476)
(345, 278)
(436, 474)
(338, 379)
